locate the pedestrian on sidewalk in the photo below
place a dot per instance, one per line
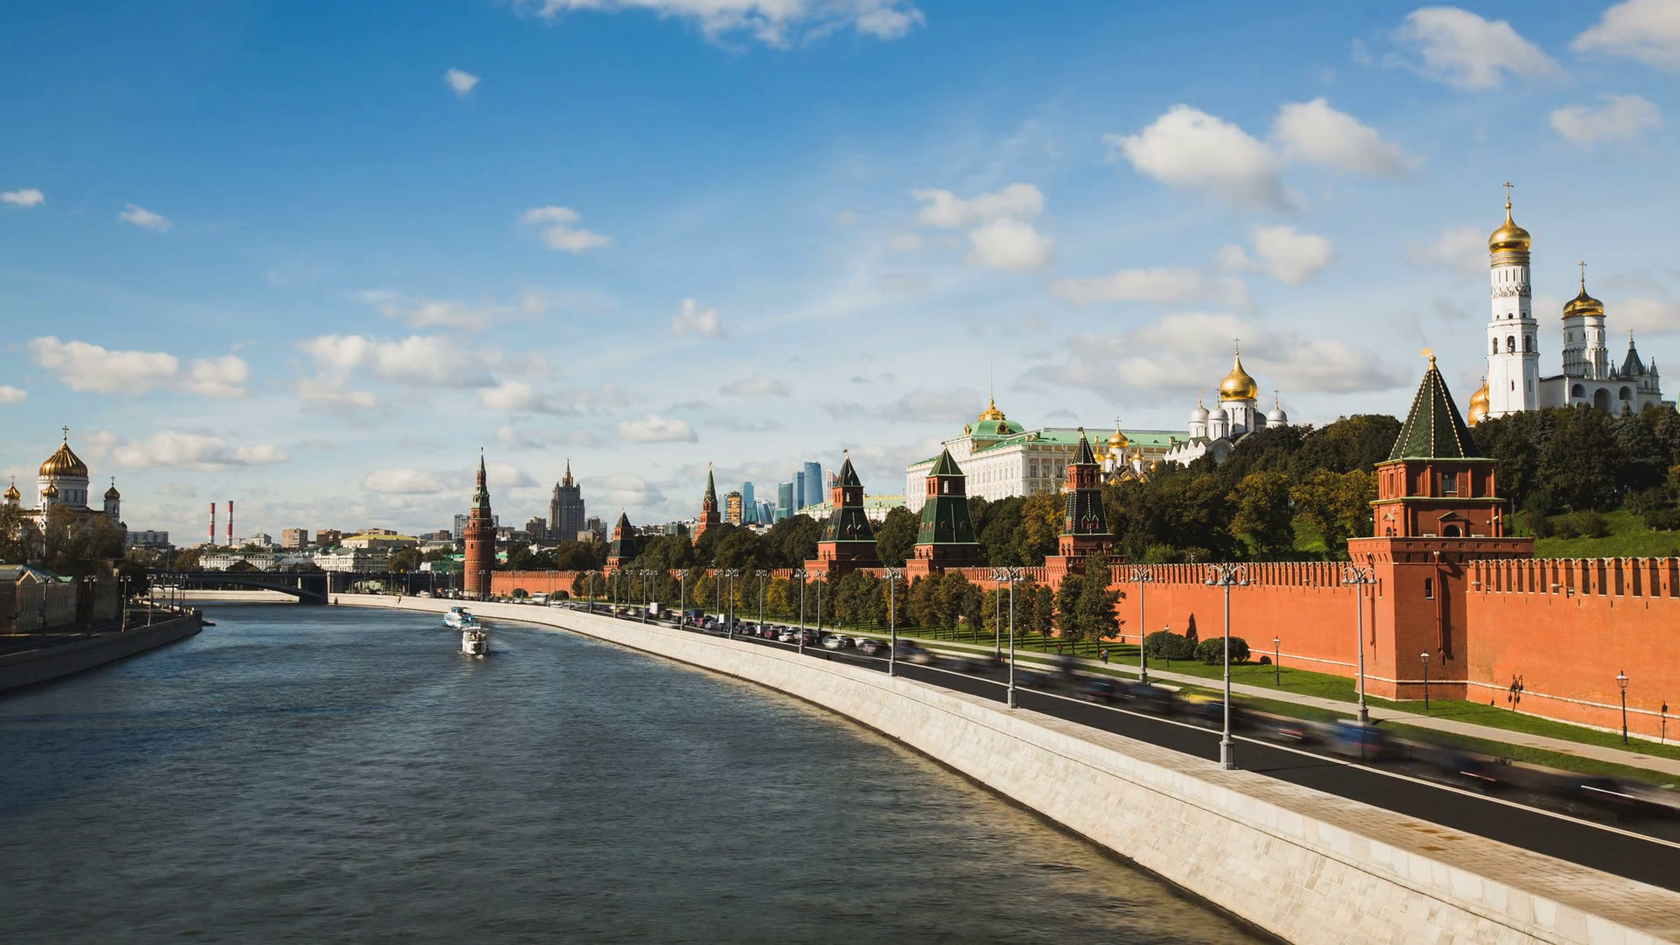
(1105, 656)
(1058, 648)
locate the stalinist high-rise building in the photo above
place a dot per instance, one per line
(565, 510)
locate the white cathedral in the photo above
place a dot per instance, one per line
(1236, 415)
(1513, 361)
(63, 481)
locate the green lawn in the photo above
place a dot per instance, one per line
(1628, 538)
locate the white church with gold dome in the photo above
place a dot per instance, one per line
(1234, 416)
(1589, 377)
(63, 482)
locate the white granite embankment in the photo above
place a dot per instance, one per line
(1305, 866)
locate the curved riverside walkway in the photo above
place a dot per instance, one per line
(1307, 866)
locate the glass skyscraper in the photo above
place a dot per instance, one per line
(798, 492)
(749, 506)
(814, 484)
(784, 500)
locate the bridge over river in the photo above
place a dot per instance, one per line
(309, 587)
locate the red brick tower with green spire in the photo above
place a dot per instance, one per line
(709, 517)
(1084, 524)
(479, 562)
(946, 538)
(848, 541)
(623, 549)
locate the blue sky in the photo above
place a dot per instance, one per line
(310, 257)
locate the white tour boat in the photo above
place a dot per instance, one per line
(459, 618)
(475, 643)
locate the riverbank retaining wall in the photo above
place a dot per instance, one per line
(56, 658)
(1302, 865)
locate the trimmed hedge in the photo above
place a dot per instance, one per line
(1163, 645)
(1212, 650)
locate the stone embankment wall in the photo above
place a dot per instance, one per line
(55, 659)
(1305, 866)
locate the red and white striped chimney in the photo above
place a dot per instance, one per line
(230, 523)
(212, 523)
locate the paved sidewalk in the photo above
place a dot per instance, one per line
(1630, 757)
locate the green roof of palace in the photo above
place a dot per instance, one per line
(1056, 436)
(1434, 429)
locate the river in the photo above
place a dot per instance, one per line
(333, 774)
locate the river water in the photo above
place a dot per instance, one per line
(332, 774)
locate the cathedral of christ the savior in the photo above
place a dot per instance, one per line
(1589, 376)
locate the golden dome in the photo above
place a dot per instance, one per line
(12, 493)
(112, 492)
(52, 492)
(1583, 305)
(1478, 406)
(1118, 441)
(1509, 238)
(1237, 385)
(992, 412)
(64, 463)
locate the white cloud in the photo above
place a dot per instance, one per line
(461, 82)
(402, 482)
(520, 397)
(217, 377)
(632, 492)
(1463, 50)
(691, 319)
(1235, 257)
(517, 439)
(146, 219)
(998, 235)
(416, 361)
(1189, 149)
(1153, 285)
(12, 395)
(1620, 118)
(1292, 256)
(1463, 248)
(82, 366)
(27, 197)
(334, 393)
(905, 242)
(656, 429)
(1007, 243)
(777, 23)
(1315, 132)
(1182, 352)
(560, 230)
(193, 451)
(759, 385)
(1646, 30)
(1648, 316)
(942, 208)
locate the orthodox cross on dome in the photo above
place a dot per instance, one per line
(66, 431)
(1508, 186)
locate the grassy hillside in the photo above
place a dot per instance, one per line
(1628, 538)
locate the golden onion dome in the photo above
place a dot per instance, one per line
(112, 492)
(12, 493)
(1478, 406)
(64, 463)
(1509, 238)
(52, 492)
(1583, 305)
(1118, 441)
(1237, 385)
(992, 412)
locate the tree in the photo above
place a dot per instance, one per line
(403, 560)
(1067, 606)
(592, 555)
(17, 535)
(792, 541)
(1264, 520)
(895, 538)
(1097, 601)
(1043, 607)
(75, 543)
(924, 602)
(1581, 460)
(1337, 505)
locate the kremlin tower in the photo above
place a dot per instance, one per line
(709, 517)
(480, 534)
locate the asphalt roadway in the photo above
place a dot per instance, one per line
(1602, 846)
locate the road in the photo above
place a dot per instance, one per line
(1645, 851)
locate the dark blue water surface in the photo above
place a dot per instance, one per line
(332, 774)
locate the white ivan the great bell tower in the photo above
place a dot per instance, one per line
(1513, 365)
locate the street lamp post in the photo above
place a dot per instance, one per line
(800, 574)
(729, 610)
(997, 616)
(820, 583)
(682, 597)
(1227, 576)
(1359, 577)
(1143, 575)
(1013, 574)
(1621, 682)
(892, 575)
(762, 574)
(1277, 655)
(1425, 655)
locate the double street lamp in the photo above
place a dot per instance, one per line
(1143, 575)
(892, 575)
(1359, 577)
(800, 573)
(729, 607)
(1227, 576)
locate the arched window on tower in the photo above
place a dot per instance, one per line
(1495, 346)
(1510, 344)
(1528, 344)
